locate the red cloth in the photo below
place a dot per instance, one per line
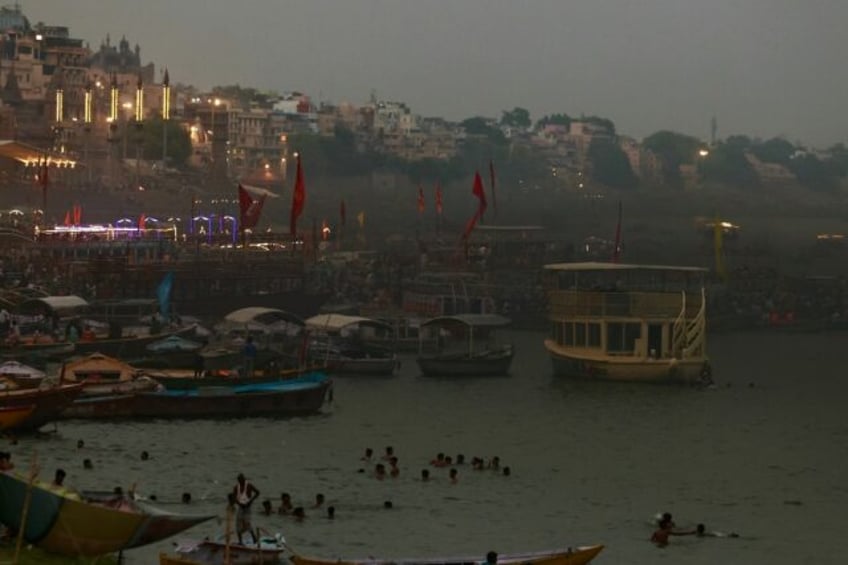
(298, 198)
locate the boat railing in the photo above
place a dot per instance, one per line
(696, 330)
(572, 303)
(678, 328)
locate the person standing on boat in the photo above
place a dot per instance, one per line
(249, 353)
(245, 493)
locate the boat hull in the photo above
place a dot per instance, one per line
(127, 348)
(375, 367)
(570, 556)
(465, 366)
(67, 525)
(49, 404)
(183, 404)
(12, 416)
(625, 369)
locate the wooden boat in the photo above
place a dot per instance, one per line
(569, 556)
(269, 550)
(469, 346)
(109, 387)
(13, 416)
(340, 343)
(67, 523)
(176, 379)
(296, 396)
(171, 352)
(22, 376)
(127, 346)
(641, 323)
(49, 403)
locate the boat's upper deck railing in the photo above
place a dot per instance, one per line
(571, 303)
(594, 277)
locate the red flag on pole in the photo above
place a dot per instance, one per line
(438, 199)
(67, 218)
(250, 208)
(420, 199)
(480, 193)
(492, 182)
(298, 198)
(616, 252)
(343, 212)
(77, 213)
(142, 220)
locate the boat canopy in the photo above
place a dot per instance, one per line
(473, 320)
(335, 322)
(62, 306)
(263, 316)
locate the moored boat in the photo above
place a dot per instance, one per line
(269, 550)
(468, 346)
(341, 343)
(109, 387)
(191, 380)
(292, 397)
(49, 402)
(20, 375)
(628, 322)
(568, 556)
(67, 523)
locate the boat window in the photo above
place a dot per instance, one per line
(569, 334)
(632, 332)
(594, 335)
(621, 338)
(580, 334)
(556, 330)
(615, 337)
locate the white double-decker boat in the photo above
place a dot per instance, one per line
(628, 322)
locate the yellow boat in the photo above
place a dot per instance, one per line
(12, 416)
(569, 556)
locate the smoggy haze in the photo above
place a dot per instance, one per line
(763, 67)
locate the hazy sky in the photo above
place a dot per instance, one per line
(763, 67)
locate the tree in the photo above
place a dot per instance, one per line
(775, 150)
(726, 164)
(814, 173)
(610, 165)
(480, 126)
(554, 119)
(179, 142)
(517, 117)
(674, 149)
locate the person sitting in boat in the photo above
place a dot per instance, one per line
(249, 353)
(88, 334)
(491, 558)
(244, 493)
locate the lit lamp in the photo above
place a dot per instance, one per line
(86, 118)
(166, 115)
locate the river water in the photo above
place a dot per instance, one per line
(762, 454)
